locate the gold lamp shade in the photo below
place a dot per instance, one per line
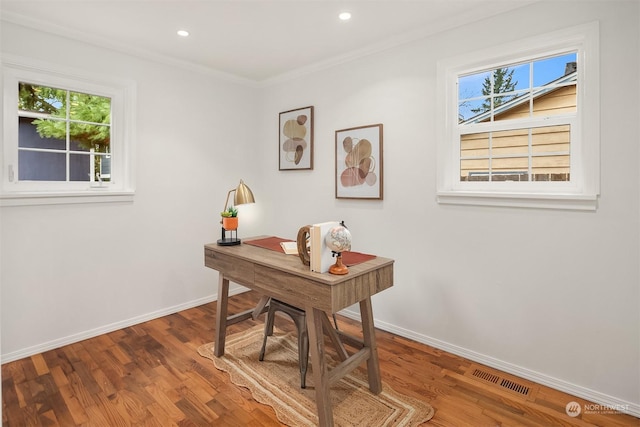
(243, 195)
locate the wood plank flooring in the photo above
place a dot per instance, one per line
(151, 375)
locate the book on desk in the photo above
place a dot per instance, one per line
(320, 255)
(289, 248)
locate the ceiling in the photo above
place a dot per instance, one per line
(253, 40)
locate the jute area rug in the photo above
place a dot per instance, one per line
(276, 382)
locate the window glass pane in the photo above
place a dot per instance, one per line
(89, 108)
(502, 169)
(513, 108)
(79, 167)
(560, 100)
(474, 145)
(41, 99)
(41, 166)
(85, 137)
(103, 168)
(509, 143)
(471, 108)
(30, 130)
(548, 70)
(471, 86)
(474, 170)
(520, 77)
(549, 162)
(551, 139)
(499, 102)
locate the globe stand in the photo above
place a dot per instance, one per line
(338, 267)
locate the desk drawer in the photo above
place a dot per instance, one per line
(238, 270)
(292, 289)
(360, 287)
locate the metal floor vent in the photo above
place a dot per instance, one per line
(513, 385)
(486, 376)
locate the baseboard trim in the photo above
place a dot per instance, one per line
(91, 333)
(546, 380)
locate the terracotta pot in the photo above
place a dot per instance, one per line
(230, 223)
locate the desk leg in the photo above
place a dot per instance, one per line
(221, 315)
(320, 372)
(369, 335)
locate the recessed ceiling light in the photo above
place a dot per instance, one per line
(344, 16)
(183, 33)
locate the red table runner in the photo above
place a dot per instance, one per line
(349, 258)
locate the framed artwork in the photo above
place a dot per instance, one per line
(359, 163)
(295, 136)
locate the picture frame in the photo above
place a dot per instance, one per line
(295, 139)
(359, 163)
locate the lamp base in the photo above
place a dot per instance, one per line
(230, 241)
(338, 267)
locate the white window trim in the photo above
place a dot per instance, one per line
(122, 94)
(582, 194)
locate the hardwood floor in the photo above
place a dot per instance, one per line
(151, 375)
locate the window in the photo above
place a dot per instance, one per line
(520, 124)
(67, 137)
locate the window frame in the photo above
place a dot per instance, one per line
(582, 191)
(122, 94)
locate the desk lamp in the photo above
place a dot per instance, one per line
(243, 195)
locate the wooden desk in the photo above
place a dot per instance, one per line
(284, 277)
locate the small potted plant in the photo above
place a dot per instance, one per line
(230, 218)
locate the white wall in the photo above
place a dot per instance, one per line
(69, 271)
(550, 295)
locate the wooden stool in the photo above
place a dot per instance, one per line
(300, 319)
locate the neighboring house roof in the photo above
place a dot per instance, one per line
(519, 100)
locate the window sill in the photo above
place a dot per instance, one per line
(520, 200)
(63, 198)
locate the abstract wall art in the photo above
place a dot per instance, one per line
(296, 139)
(359, 163)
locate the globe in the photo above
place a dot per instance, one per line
(338, 239)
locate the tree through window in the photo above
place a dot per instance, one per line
(63, 135)
(500, 81)
(492, 149)
(519, 124)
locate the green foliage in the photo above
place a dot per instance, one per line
(92, 112)
(231, 212)
(40, 98)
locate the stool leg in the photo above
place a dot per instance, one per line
(303, 348)
(303, 354)
(268, 330)
(270, 321)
